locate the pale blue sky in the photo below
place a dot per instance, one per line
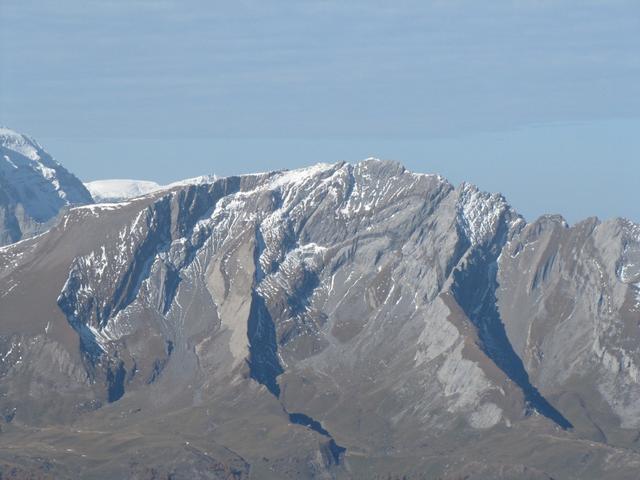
(538, 99)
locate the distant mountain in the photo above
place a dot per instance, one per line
(338, 321)
(118, 190)
(105, 191)
(34, 188)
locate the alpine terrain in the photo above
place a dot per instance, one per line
(338, 321)
(34, 188)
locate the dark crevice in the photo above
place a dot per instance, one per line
(264, 364)
(158, 367)
(115, 382)
(76, 312)
(160, 363)
(307, 421)
(170, 286)
(265, 368)
(474, 288)
(335, 450)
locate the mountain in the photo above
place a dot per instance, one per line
(34, 188)
(338, 321)
(105, 191)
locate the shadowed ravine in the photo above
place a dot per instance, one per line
(265, 368)
(475, 291)
(301, 419)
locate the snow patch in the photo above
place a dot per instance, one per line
(200, 180)
(25, 146)
(119, 189)
(298, 176)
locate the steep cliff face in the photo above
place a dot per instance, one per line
(570, 302)
(344, 317)
(33, 187)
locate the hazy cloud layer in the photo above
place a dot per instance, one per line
(327, 68)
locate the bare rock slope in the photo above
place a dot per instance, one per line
(339, 321)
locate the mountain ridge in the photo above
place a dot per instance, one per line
(354, 320)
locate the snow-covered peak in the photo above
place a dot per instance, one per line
(33, 185)
(25, 164)
(115, 190)
(19, 143)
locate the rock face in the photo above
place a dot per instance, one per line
(339, 321)
(34, 188)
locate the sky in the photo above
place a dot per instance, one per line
(537, 99)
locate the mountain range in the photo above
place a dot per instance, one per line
(336, 321)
